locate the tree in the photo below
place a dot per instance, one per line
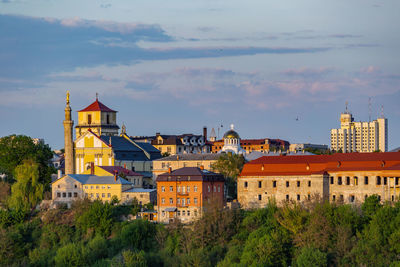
(15, 149)
(311, 257)
(27, 192)
(230, 165)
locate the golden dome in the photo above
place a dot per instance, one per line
(231, 134)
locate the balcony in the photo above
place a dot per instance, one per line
(182, 193)
(180, 205)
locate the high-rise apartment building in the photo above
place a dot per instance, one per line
(360, 136)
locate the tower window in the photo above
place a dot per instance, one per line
(89, 119)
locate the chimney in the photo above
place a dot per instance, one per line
(169, 170)
(91, 168)
(205, 133)
(115, 175)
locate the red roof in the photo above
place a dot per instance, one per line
(97, 106)
(302, 165)
(120, 170)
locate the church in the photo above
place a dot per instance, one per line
(99, 143)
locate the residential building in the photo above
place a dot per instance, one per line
(360, 136)
(178, 144)
(175, 162)
(72, 187)
(343, 177)
(185, 193)
(136, 179)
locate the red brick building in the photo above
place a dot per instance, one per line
(250, 145)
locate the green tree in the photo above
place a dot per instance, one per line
(134, 258)
(229, 165)
(15, 149)
(27, 192)
(99, 218)
(311, 257)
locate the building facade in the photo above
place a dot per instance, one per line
(178, 144)
(360, 136)
(184, 194)
(347, 178)
(99, 143)
(79, 186)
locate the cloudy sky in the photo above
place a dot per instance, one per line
(176, 66)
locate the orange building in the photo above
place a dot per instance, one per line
(343, 177)
(250, 145)
(184, 193)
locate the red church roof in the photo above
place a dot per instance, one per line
(97, 106)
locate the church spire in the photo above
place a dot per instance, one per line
(68, 139)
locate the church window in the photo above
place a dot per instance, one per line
(259, 184)
(287, 183)
(298, 197)
(309, 183)
(259, 197)
(274, 184)
(89, 119)
(298, 183)
(287, 197)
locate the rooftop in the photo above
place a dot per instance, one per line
(97, 106)
(94, 179)
(189, 156)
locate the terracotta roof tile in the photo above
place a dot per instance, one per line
(97, 106)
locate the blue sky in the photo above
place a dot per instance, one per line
(176, 66)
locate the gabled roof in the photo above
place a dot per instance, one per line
(191, 156)
(94, 179)
(97, 106)
(120, 170)
(318, 164)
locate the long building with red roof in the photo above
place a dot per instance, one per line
(347, 177)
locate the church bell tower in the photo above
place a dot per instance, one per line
(68, 140)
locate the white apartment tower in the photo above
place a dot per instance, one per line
(360, 136)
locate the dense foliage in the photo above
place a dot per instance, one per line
(229, 165)
(314, 234)
(15, 149)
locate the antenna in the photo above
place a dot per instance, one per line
(369, 108)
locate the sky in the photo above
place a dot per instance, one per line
(275, 69)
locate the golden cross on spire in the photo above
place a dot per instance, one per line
(67, 97)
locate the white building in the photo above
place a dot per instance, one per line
(232, 142)
(360, 136)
